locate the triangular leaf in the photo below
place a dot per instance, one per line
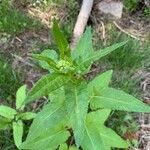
(17, 132)
(48, 128)
(77, 106)
(45, 85)
(20, 96)
(117, 100)
(100, 82)
(50, 139)
(61, 41)
(7, 112)
(99, 137)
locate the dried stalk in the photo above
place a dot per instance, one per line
(81, 21)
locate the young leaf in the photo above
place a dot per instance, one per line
(97, 55)
(7, 112)
(50, 54)
(27, 116)
(84, 47)
(77, 106)
(20, 96)
(17, 132)
(46, 59)
(117, 100)
(45, 85)
(48, 127)
(61, 41)
(100, 82)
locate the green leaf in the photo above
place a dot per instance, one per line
(45, 85)
(20, 96)
(4, 123)
(92, 139)
(63, 147)
(7, 112)
(57, 96)
(99, 137)
(83, 48)
(51, 64)
(50, 139)
(17, 132)
(100, 82)
(97, 55)
(61, 41)
(27, 116)
(77, 106)
(48, 128)
(50, 54)
(109, 137)
(99, 116)
(73, 148)
(117, 100)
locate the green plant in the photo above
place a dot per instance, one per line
(131, 5)
(147, 12)
(9, 80)
(78, 108)
(11, 118)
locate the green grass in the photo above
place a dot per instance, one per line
(6, 140)
(9, 82)
(125, 61)
(130, 5)
(13, 21)
(147, 12)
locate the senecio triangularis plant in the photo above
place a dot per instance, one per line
(75, 116)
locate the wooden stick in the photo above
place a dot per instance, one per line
(81, 21)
